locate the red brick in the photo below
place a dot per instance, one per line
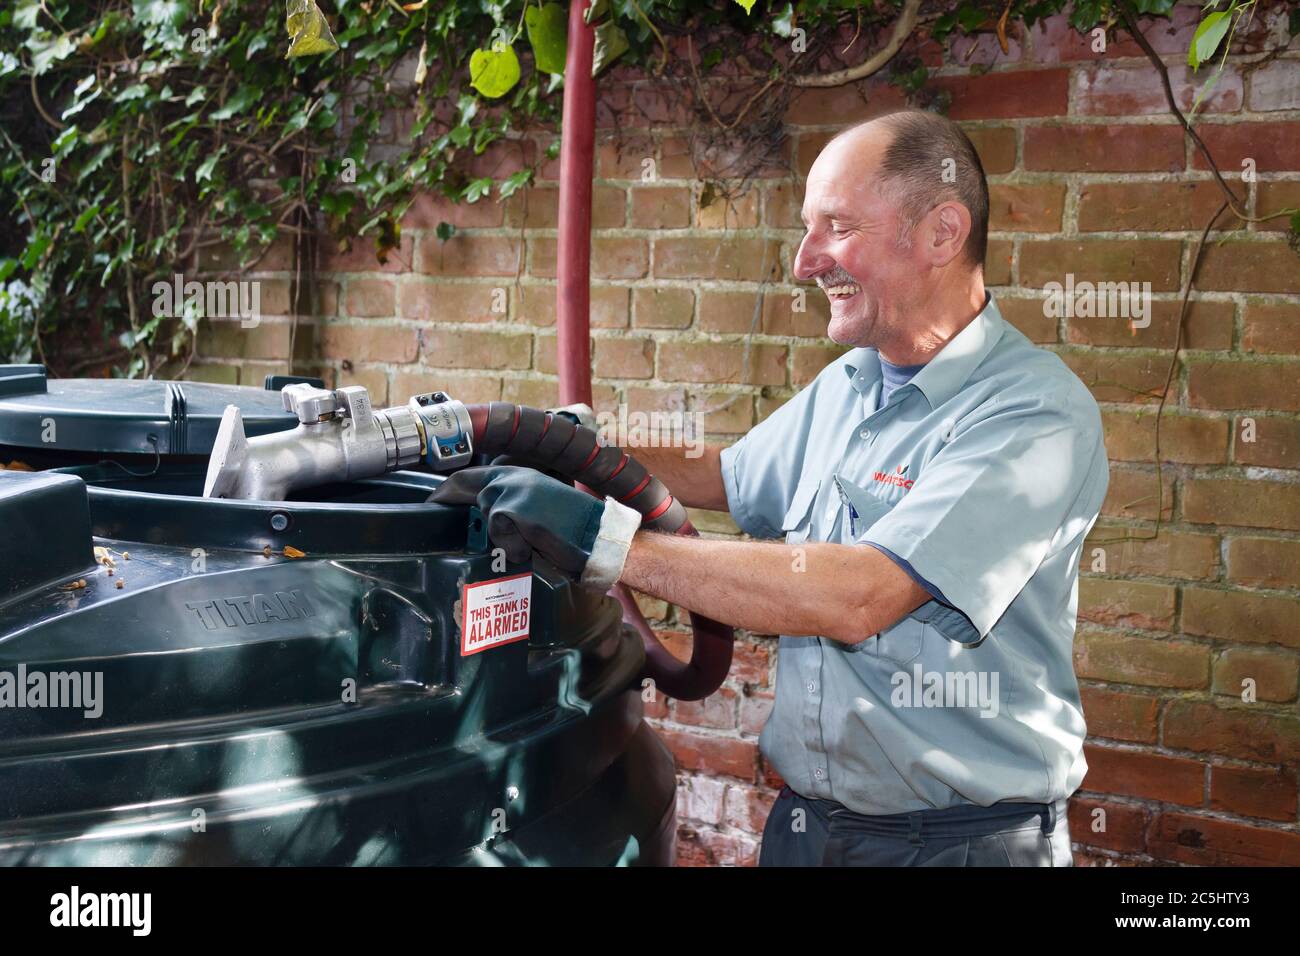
(1274, 674)
(747, 808)
(359, 256)
(1119, 827)
(624, 358)
(464, 349)
(1105, 149)
(1274, 86)
(996, 146)
(1027, 315)
(1026, 208)
(1101, 260)
(371, 297)
(843, 106)
(1227, 383)
(1006, 95)
(1241, 616)
(660, 307)
(1270, 145)
(716, 362)
(755, 708)
(1240, 731)
(1249, 503)
(1148, 207)
(1267, 794)
(729, 756)
(1149, 776)
(1205, 841)
(1275, 444)
(1264, 562)
(466, 388)
(453, 302)
(370, 342)
(1171, 554)
(1208, 327)
(697, 257)
(469, 255)
(1120, 377)
(1106, 90)
(427, 210)
(1107, 656)
(661, 207)
(717, 711)
(1131, 436)
(1272, 328)
(1239, 265)
(1135, 494)
(1118, 715)
(1126, 603)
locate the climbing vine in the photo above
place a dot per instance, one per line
(139, 138)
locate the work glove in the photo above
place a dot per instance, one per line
(529, 513)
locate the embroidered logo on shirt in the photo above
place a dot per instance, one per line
(897, 477)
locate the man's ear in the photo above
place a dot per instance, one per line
(949, 224)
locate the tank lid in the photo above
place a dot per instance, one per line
(126, 416)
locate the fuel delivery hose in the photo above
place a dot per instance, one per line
(554, 442)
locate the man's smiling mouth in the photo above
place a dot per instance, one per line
(842, 291)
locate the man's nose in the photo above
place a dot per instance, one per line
(810, 261)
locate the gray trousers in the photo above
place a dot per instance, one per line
(804, 832)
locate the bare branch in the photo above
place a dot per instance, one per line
(903, 28)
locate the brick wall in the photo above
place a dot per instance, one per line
(693, 308)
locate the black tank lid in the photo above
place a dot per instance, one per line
(125, 416)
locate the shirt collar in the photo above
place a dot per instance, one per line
(945, 374)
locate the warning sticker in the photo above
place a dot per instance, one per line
(495, 612)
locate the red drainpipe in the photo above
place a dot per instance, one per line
(712, 644)
(573, 255)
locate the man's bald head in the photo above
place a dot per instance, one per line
(921, 159)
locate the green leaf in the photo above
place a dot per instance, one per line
(477, 189)
(783, 22)
(514, 182)
(204, 172)
(7, 268)
(1207, 38)
(548, 35)
(597, 10)
(85, 218)
(35, 249)
(611, 43)
(494, 73)
(445, 231)
(747, 4)
(309, 34)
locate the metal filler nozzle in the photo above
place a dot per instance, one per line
(339, 437)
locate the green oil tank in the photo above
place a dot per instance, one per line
(187, 680)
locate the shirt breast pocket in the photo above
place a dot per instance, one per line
(797, 523)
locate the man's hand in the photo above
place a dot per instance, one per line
(528, 512)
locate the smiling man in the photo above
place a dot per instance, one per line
(934, 487)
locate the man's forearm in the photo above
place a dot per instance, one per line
(844, 592)
(695, 482)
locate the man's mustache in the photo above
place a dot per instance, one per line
(837, 276)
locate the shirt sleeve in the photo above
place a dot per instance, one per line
(761, 471)
(1007, 490)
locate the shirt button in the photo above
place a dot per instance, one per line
(812, 687)
(864, 434)
(818, 773)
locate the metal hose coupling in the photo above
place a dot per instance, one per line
(339, 437)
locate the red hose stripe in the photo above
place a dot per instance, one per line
(637, 490)
(658, 509)
(620, 467)
(515, 429)
(590, 458)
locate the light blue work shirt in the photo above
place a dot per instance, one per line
(985, 473)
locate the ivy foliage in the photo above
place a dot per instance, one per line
(140, 138)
